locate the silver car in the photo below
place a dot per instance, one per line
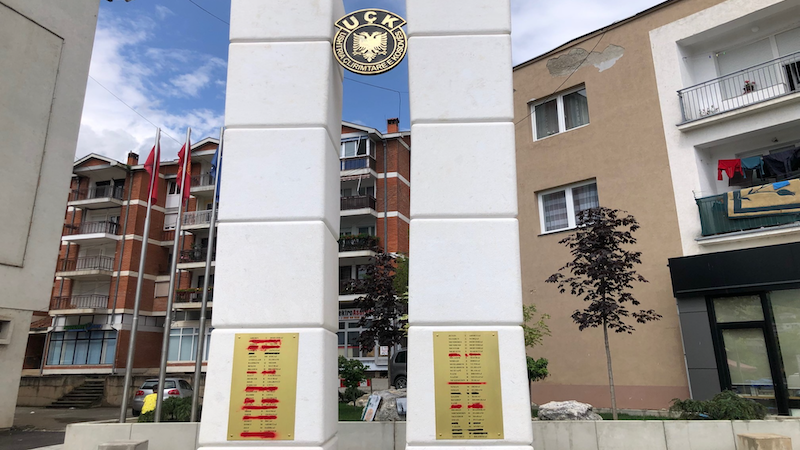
(173, 387)
(399, 362)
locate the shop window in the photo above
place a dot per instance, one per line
(565, 111)
(558, 208)
(183, 344)
(82, 347)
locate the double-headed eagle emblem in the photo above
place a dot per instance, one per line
(370, 41)
(370, 45)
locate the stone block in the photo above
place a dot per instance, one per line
(783, 427)
(446, 17)
(316, 408)
(83, 436)
(513, 381)
(763, 441)
(284, 20)
(298, 176)
(279, 274)
(631, 435)
(463, 170)
(307, 93)
(166, 436)
(366, 435)
(568, 435)
(705, 434)
(124, 445)
(459, 265)
(460, 79)
(472, 446)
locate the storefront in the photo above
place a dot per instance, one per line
(740, 321)
(375, 358)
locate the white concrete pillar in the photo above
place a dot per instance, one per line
(279, 211)
(465, 270)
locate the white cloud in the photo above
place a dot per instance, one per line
(538, 27)
(163, 12)
(191, 83)
(140, 76)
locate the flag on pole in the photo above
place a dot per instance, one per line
(216, 167)
(185, 179)
(152, 166)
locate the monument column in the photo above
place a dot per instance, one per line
(467, 383)
(272, 369)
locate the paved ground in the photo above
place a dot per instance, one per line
(41, 427)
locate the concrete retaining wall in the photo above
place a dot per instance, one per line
(562, 435)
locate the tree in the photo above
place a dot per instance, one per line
(352, 372)
(533, 334)
(381, 306)
(601, 273)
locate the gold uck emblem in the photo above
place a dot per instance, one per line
(370, 41)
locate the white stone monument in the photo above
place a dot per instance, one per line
(464, 236)
(277, 254)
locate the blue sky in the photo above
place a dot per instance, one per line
(164, 62)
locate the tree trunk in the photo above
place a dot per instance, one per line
(610, 372)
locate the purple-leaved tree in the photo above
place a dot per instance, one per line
(601, 273)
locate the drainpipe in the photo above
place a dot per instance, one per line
(385, 202)
(121, 253)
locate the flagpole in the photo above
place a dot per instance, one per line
(198, 363)
(139, 280)
(162, 372)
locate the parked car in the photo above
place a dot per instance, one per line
(173, 387)
(398, 366)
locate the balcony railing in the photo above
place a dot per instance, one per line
(197, 218)
(89, 301)
(204, 179)
(86, 263)
(360, 242)
(746, 87)
(714, 218)
(196, 255)
(357, 162)
(358, 202)
(194, 295)
(350, 287)
(92, 228)
(116, 192)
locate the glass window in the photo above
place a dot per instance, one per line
(566, 111)
(558, 209)
(738, 309)
(401, 358)
(786, 309)
(748, 364)
(79, 348)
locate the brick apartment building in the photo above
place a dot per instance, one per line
(87, 327)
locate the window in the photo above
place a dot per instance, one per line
(558, 208)
(183, 344)
(82, 347)
(172, 187)
(566, 111)
(356, 147)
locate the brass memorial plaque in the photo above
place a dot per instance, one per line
(263, 387)
(466, 376)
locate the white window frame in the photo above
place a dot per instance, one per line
(571, 223)
(562, 122)
(356, 139)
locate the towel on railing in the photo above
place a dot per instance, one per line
(765, 200)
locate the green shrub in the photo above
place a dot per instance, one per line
(173, 409)
(352, 372)
(726, 405)
(537, 369)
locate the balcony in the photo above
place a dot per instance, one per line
(203, 185)
(196, 220)
(757, 84)
(355, 205)
(85, 267)
(357, 164)
(351, 287)
(714, 218)
(92, 232)
(195, 258)
(358, 245)
(192, 297)
(89, 301)
(98, 197)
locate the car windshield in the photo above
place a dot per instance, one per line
(152, 384)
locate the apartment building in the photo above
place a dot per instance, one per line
(641, 116)
(88, 324)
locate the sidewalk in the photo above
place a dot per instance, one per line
(41, 428)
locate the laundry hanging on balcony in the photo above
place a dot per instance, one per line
(730, 166)
(781, 198)
(754, 165)
(782, 163)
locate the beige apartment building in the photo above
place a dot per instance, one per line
(639, 116)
